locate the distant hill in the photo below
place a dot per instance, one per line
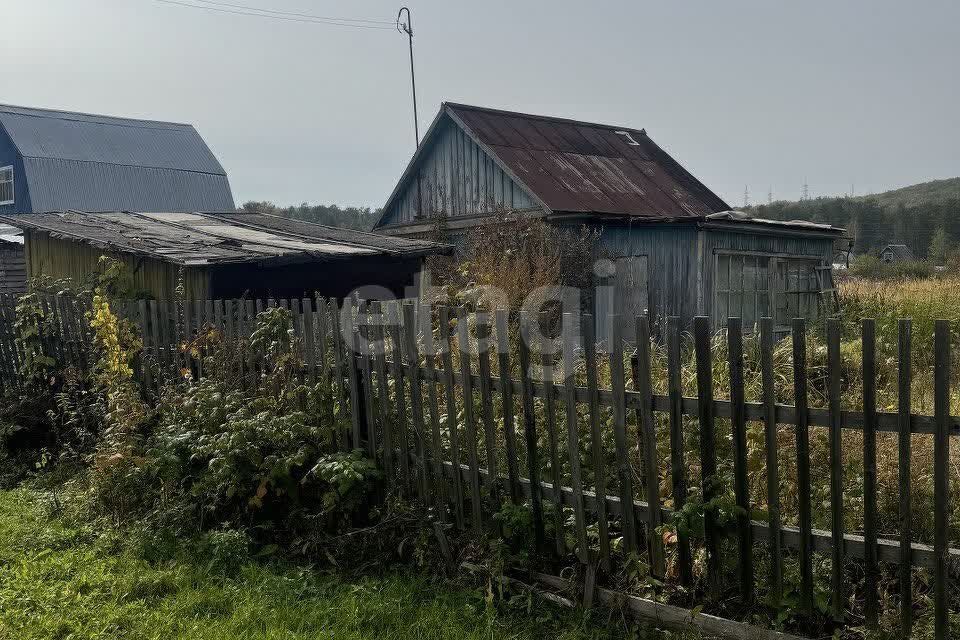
(912, 216)
(918, 194)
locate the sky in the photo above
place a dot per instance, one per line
(858, 95)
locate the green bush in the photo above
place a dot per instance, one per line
(873, 268)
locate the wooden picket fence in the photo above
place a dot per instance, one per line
(438, 396)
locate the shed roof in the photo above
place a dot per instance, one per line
(198, 239)
(572, 166)
(900, 252)
(92, 162)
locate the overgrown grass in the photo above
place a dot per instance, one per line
(61, 580)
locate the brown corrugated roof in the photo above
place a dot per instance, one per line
(583, 167)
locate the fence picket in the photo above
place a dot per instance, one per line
(646, 424)
(530, 437)
(353, 378)
(869, 371)
(441, 499)
(941, 481)
(383, 391)
(506, 390)
(341, 392)
(904, 408)
(738, 423)
(416, 401)
(486, 403)
(452, 422)
(772, 457)
(836, 468)
(596, 437)
(803, 463)
(708, 453)
(469, 419)
(366, 355)
(550, 422)
(624, 469)
(573, 434)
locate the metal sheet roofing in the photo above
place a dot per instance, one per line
(582, 167)
(741, 217)
(103, 163)
(197, 239)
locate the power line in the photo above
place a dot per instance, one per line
(292, 13)
(272, 16)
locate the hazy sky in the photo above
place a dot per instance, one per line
(765, 94)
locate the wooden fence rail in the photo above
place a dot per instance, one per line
(436, 396)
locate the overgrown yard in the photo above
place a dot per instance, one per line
(63, 580)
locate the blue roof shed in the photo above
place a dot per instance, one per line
(59, 160)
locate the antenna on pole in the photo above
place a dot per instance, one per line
(407, 27)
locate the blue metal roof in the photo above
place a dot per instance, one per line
(100, 163)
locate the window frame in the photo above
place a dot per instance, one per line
(13, 186)
(775, 298)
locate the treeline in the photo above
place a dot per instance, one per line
(872, 226)
(362, 218)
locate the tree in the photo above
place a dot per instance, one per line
(939, 247)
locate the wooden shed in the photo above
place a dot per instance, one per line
(677, 248)
(220, 255)
(13, 268)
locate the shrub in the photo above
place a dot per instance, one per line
(517, 255)
(872, 268)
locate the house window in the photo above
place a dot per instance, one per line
(751, 287)
(6, 185)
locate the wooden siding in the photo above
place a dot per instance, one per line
(457, 178)
(58, 258)
(13, 269)
(679, 283)
(671, 264)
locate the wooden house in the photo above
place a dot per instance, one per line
(897, 253)
(676, 246)
(61, 160)
(200, 256)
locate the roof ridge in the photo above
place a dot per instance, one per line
(44, 112)
(535, 116)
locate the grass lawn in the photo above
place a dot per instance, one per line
(63, 581)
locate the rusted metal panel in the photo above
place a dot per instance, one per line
(595, 167)
(475, 160)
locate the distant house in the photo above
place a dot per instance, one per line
(677, 247)
(897, 253)
(220, 255)
(60, 161)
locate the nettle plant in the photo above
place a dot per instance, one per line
(238, 449)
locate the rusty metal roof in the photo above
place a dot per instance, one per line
(200, 239)
(582, 167)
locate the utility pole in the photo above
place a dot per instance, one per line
(407, 27)
(805, 192)
(770, 195)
